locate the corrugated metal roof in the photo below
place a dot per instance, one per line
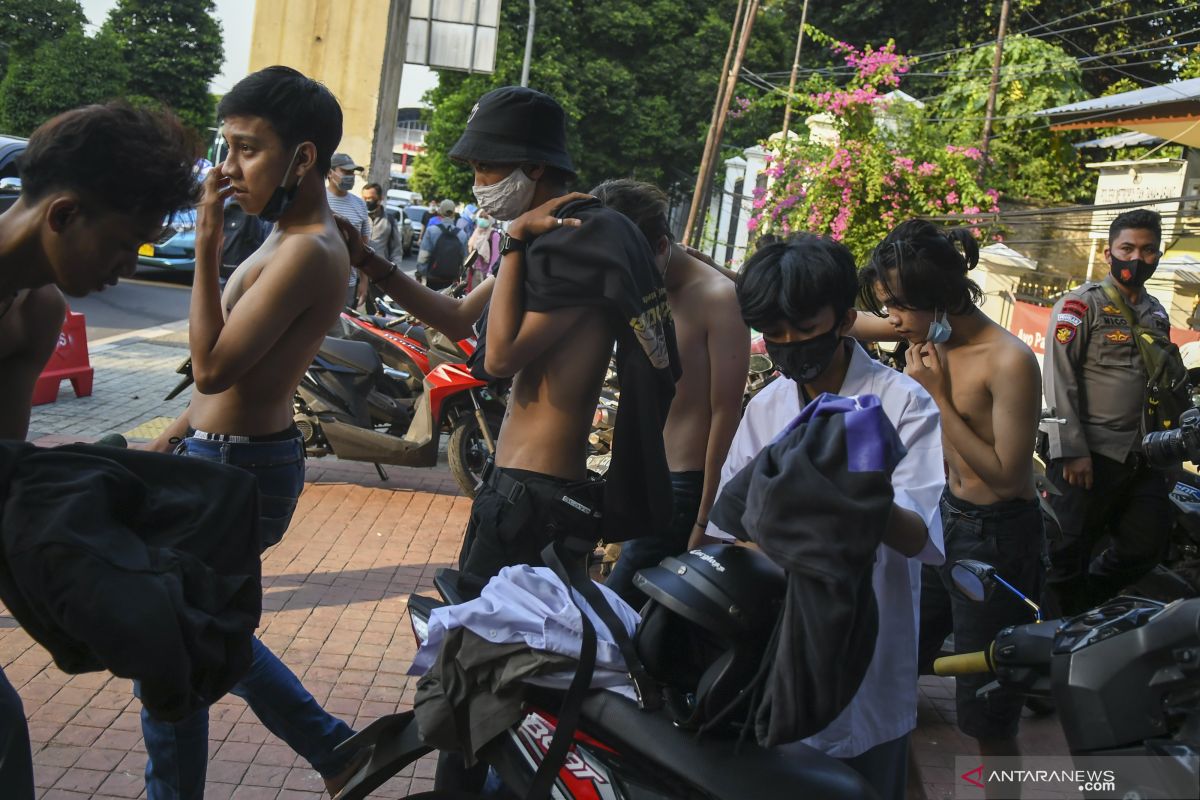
(1129, 139)
(1180, 91)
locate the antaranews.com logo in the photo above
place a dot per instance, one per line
(1119, 777)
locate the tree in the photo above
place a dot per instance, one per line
(172, 49)
(1029, 162)
(637, 81)
(885, 166)
(25, 25)
(61, 74)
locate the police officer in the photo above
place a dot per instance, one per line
(1095, 379)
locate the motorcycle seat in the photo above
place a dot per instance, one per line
(715, 764)
(358, 356)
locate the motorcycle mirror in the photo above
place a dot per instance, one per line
(761, 364)
(975, 579)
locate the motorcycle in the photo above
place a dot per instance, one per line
(1124, 676)
(617, 752)
(352, 404)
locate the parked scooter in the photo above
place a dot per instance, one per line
(617, 752)
(1125, 678)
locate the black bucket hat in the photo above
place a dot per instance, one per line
(512, 125)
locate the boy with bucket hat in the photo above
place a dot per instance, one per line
(574, 278)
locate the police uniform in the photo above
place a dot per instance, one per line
(1095, 379)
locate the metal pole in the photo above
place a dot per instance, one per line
(730, 85)
(529, 42)
(718, 104)
(787, 111)
(991, 101)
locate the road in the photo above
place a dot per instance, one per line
(152, 298)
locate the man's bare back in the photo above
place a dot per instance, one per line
(553, 400)
(314, 267)
(704, 305)
(29, 327)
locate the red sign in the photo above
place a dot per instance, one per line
(1029, 323)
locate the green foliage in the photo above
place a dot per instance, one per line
(61, 74)
(172, 49)
(1029, 162)
(637, 81)
(886, 164)
(25, 25)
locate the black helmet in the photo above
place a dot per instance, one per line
(711, 614)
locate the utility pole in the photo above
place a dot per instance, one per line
(991, 101)
(716, 130)
(787, 111)
(380, 168)
(529, 42)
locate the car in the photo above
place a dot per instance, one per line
(10, 182)
(403, 197)
(415, 214)
(175, 248)
(407, 239)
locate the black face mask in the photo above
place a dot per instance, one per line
(282, 197)
(372, 205)
(1133, 272)
(804, 361)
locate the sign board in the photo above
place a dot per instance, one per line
(1141, 182)
(453, 34)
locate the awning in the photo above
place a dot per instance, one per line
(1128, 139)
(1170, 112)
(1003, 255)
(1181, 262)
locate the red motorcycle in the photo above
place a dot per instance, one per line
(384, 390)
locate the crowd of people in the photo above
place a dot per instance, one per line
(571, 277)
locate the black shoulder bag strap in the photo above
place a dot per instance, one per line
(570, 565)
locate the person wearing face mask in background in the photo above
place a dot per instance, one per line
(986, 385)
(1096, 380)
(800, 293)
(484, 245)
(387, 238)
(338, 185)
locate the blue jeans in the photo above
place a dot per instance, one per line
(16, 760)
(177, 753)
(648, 551)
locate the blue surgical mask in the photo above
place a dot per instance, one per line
(939, 330)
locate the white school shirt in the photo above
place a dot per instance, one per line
(885, 706)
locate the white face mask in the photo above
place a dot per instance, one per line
(939, 330)
(507, 199)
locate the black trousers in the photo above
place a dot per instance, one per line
(1129, 503)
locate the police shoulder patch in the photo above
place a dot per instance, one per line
(1064, 332)
(1076, 307)
(1070, 319)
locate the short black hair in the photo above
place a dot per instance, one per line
(296, 107)
(1142, 219)
(374, 186)
(793, 279)
(643, 203)
(125, 159)
(925, 266)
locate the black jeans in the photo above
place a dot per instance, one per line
(506, 531)
(1128, 502)
(16, 759)
(647, 551)
(1010, 536)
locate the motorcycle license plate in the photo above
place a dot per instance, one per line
(146, 250)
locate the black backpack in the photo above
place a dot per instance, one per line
(448, 255)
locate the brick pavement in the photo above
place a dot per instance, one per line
(335, 592)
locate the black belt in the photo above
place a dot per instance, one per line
(506, 486)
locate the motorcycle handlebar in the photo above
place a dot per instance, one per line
(963, 664)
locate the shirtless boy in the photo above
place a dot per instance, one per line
(249, 348)
(987, 387)
(555, 340)
(714, 352)
(76, 227)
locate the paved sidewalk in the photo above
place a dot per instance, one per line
(335, 592)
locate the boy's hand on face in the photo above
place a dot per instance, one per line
(925, 367)
(541, 220)
(210, 211)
